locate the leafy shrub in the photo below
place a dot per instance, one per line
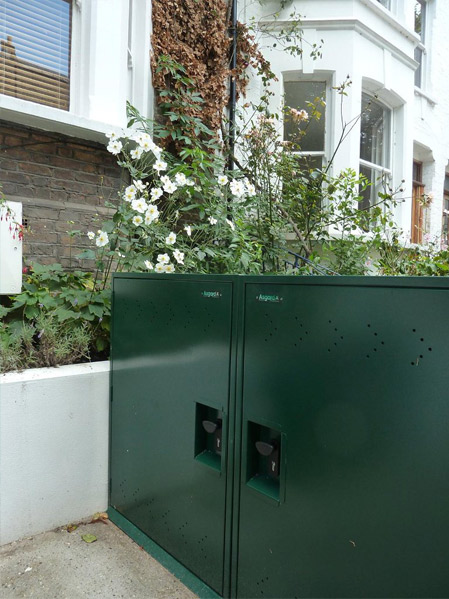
(58, 318)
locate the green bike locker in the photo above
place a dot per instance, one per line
(348, 380)
(286, 437)
(171, 353)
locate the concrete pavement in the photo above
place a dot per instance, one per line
(60, 565)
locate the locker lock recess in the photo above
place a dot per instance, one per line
(214, 427)
(270, 450)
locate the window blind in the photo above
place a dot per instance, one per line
(35, 51)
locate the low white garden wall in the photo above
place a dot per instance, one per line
(54, 432)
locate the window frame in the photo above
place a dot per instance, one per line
(384, 173)
(28, 85)
(324, 78)
(388, 2)
(445, 212)
(420, 49)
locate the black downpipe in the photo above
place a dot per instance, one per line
(232, 85)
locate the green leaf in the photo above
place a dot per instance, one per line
(96, 310)
(62, 314)
(100, 344)
(31, 312)
(89, 538)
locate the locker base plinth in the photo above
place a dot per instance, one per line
(184, 575)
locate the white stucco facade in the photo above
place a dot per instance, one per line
(375, 46)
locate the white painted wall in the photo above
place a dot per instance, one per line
(10, 248)
(54, 431)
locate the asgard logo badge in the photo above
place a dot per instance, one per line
(211, 294)
(274, 299)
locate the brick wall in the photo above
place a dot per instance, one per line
(58, 179)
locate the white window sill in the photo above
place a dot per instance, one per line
(46, 118)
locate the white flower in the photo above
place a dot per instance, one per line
(148, 265)
(138, 136)
(165, 179)
(231, 224)
(136, 153)
(151, 214)
(159, 267)
(112, 135)
(156, 193)
(179, 256)
(171, 239)
(170, 187)
(137, 220)
(169, 268)
(139, 205)
(102, 239)
(190, 182)
(144, 140)
(163, 259)
(146, 145)
(299, 115)
(222, 180)
(115, 147)
(250, 188)
(212, 220)
(188, 230)
(91, 235)
(180, 179)
(160, 165)
(237, 188)
(130, 193)
(139, 185)
(157, 151)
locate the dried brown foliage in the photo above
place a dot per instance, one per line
(249, 55)
(195, 34)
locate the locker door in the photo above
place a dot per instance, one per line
(346, 393)
(170, 378)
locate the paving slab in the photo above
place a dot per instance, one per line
(60, 565)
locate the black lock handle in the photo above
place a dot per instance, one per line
(265, 448)
(270, 450)
(211, 426)
(214, 426)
